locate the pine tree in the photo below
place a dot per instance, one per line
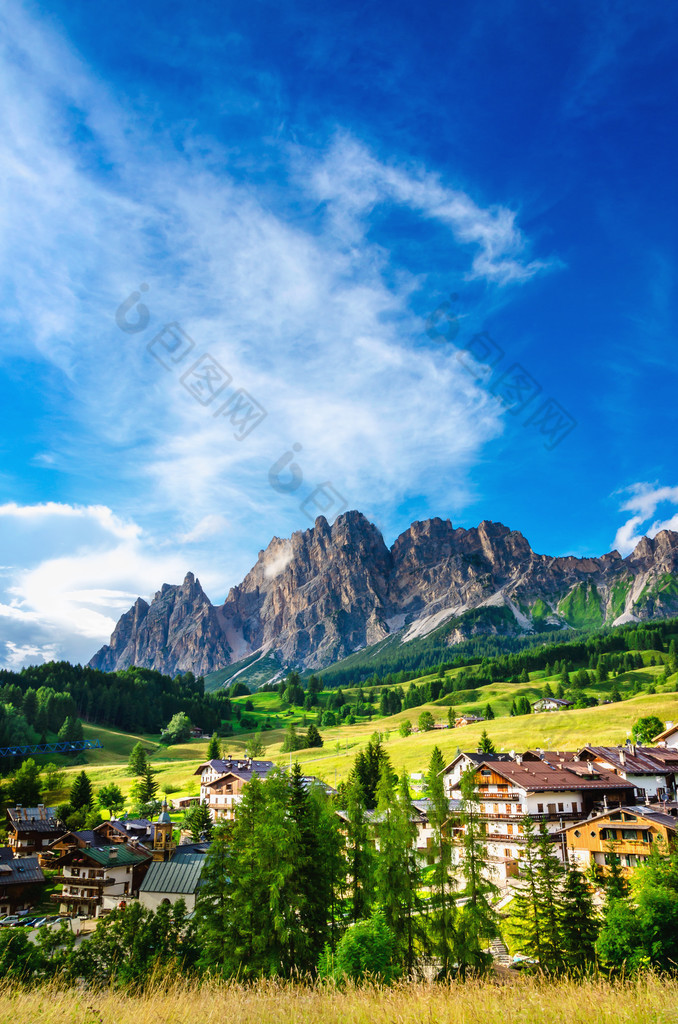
(81, 792)
(476, 919)
(579, 923)
(198, 821)
(489, 713)
(359, 852)
(313, 737)
(308, 884)
(525, 923)
(549, 882)
(213, 905)
(486, 745)
(71, 730)
(367, 769)
(442, 884)
(396, 869)
(137, 760)
(214, 748)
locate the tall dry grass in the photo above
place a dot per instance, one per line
(511, 1001)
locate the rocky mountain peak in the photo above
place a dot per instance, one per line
(329, 590)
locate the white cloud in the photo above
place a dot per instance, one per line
(310, 315)
(55, 604)
(643, 501)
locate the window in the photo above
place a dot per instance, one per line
(561, 807)
(593, 835)
(629, 833)
(485, 771)
(577, 833)
(540, 808)
(575, 808)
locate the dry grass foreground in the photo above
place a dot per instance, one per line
(523, 1000)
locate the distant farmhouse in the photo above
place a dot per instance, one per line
(550, 704)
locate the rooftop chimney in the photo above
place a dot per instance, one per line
(622, 755)
(112, 854)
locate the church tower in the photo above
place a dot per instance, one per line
(163, 841)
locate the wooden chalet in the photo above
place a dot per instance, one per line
(31, 830)
(630, 833)
(21, 881)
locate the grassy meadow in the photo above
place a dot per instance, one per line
(506, 998)
(605, 724)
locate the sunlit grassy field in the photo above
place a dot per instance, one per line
(176, 765)
(506, 999)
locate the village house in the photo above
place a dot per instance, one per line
(510, 790)
(88, 871)
(21, 882)
(668, 738)
(209, 771)
(30, 830)
(629, 832)
(225, 792)
(550, 704)
(650, 777)
(467, 720)
(461, 762)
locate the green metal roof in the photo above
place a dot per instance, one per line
(102, 855)
(168, 876)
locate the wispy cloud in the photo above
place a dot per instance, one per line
(643, 501)
(281, 282)
(76, 570)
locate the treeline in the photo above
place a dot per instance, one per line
(491, 659)
(38, 700)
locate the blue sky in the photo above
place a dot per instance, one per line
(338, 210)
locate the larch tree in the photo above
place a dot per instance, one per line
(477, 920)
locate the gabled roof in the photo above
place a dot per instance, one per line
(114, 855)
(34, 819)
(554, 700)
(477, 757)
(222, 765)
(638, 761)
(640, 811)
(173, 876)
(665, 735)
(542, 777)
(19, 870)
(82, 839)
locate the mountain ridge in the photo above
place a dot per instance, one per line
(329, 591)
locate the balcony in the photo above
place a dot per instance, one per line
(86, 883)
(72, 897)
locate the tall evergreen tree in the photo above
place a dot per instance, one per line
(476, 919)
(214, 748)
(81, 792)
(579, 923)
(442, 885)
(525, 922)
(550, 882)
(396, 870)
(137, 760)
(367, 768)
(486, 745)
(214, 906)
(360, 853)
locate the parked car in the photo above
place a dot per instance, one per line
(10, 920)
